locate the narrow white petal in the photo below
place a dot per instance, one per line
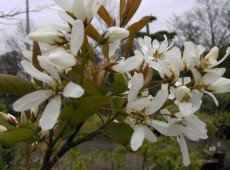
(223, 58)
(73, 90)
(64, 16)
(136, 84)
(184, 149)
(113, 47)
(51, 113)
(150, 135)
(196, 75)
(213, 76)
(77, 37)
(79, 9)
(127, 65)
(137, 137)
(44, 63)
(30, 69)
(165, 128)
(214, 98)
(159, 99)
(66, 5)
(31, 100)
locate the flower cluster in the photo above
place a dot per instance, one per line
(146, 113)
(67, 79)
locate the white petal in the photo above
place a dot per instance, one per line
(127, 65)
(73, 90)
(31, 100)
(51, 113)
(223, 58)
(213, 76)
(214, 98)
(44, 63)
(184, 150)
(150, 135)
(64, 16)
(79, 9)
(92, 8)
(77, 37)
(66, 5)
(137, 137)
(138, 104)
(61, 59)
(113, 47)
(136, 84)
(185, 108)
(159, 100)
(188, 49)
(165, 128)
(30, 69)
(196, 75)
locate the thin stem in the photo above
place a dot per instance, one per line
(64, 148)
(48, 154)
(28, 159)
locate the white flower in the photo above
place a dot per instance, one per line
(52, 35)
(188, 101)
(154, 49)
(210, 60)
(191, 55)
(115, 33)
(205, 84)
(139, 110)
(80, 9)
(54, 89)
(181, 126)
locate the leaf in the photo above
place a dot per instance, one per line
(36, 53)
(119, 132)
(130, 9)
(137, 26)
(14, 85)
(35, 62)
(119, 84)
(118, 102)
(104, 14)
(105, 50)
(129, 45)
(84, 108)
(17, 135)
(92, 32)
(122, 9)
(133, 30)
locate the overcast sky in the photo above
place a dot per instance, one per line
(162, 9)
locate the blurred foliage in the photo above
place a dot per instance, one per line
(168, 156)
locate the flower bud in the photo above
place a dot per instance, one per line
(23, 120)
(115, 33)
(9, 118)
(33, 114)
(50, 35)
(2, 129)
